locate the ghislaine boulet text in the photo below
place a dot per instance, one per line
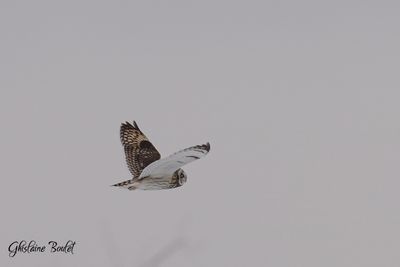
(33, 247)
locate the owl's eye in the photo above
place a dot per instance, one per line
(182, 178)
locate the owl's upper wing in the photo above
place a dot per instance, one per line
(175, 161)
(139, 152)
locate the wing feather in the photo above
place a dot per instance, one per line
(170, 164)
(139, 151)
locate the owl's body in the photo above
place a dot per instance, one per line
(148, 170)
(153, 182)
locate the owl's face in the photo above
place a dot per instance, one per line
(182, 177)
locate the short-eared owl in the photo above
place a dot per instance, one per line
(149, 171)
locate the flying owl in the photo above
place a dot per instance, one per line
(148, 169)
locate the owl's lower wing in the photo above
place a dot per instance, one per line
(170, 164)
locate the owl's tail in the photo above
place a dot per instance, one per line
(128, 184)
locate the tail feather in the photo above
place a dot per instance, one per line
(128, 184)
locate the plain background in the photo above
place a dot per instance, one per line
(299, 100)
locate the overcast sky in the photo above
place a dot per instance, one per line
(299, 100)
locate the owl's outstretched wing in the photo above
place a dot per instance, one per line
(139, 152)
(175, 161)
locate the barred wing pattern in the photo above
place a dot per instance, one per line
(139, 151)
(170, 164)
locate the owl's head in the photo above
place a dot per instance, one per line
(182, 177)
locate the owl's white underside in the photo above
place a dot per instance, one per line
(153, 183)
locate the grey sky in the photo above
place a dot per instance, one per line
(299, 100)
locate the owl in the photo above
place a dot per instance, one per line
(150, 171)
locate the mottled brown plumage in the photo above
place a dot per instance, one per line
(139, 151)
